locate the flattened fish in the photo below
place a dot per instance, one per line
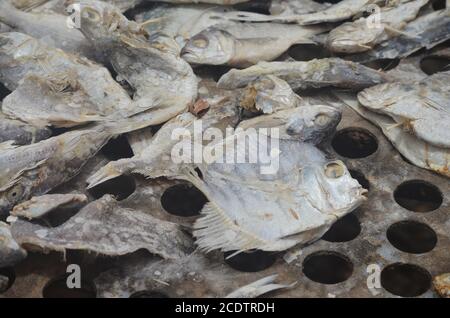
(106, 228)
(362, 35)
(160, 78)
(422, 109)
(40, 206)
(10, 252)
(245, 44)
(21, 133)
(312, 74)
(417, 151)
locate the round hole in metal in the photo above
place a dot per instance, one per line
(7, 278)
(418, 196)
(183, 200)
(345, 229)
(250, 261)
(360, 178)
(406, 280)
(117, 148)
(354, 143)
(57, 288)
(412, 237)
(120, 187)
(149, 294)
(327, 267)
(434, 64)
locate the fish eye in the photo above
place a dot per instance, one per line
(15, 193)
(334, 170)
(322, 120)
(200, 42)
(91, 14)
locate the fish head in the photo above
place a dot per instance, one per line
(337, 188)
(11, 196)
(211, 46)
(353, 37)
(313, 123)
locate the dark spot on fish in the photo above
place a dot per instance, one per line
(345, 229)
(183, 200)
(406, 280)
(434, 64)
(149, 294)
(383, 64)
(10, 274)
(250, 261)
(412, 237)
(117, 148)
(57, 288)
(418, 196)
(327, 267)
(354, 142)
(120, 187)
(307, 52)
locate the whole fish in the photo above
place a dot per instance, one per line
(245, 44)
(106, 228)
(52, 28)
(162, 81)
(312, 74)
(426, 31)
(422, 109)
(21, 133)
(40, 206)
(70, 90)
(35, 169)
(417, 151)
(10, 252)
(362, 35)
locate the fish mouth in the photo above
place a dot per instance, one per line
(188, 55)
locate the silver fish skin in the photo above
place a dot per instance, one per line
(40, 206)
(49, 27)
(312, 74)
(104, 227)
(10, 251)
(245, 44)
(21, 133)
(426, 31)
(362, 35)
(161, 79)
(423, 108)
(72, 90)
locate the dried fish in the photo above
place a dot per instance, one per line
(309, 123)
(426, 31)
(71, 90)
(442, 285)
(21, 133)
(296, 7)
(312, 74)
(363, 34)
(161, 79)
(422, 109)
(51, 28)
(106, 228)
(10, 252)
(245, 44)
(40, 206)
(417, 151)
(258, 288)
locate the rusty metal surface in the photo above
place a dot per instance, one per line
(385, 170)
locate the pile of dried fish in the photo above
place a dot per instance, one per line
(78, 74)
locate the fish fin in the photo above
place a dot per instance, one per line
(215, 230)
(259, 287)
(7, 145)
(110, 171)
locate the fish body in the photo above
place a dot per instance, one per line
(10, 251)
(21, 133)
(362, 35)
(295, 7)
(312, 74)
